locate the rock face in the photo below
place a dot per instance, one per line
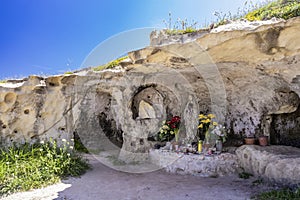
(275, 163)
(248, 78)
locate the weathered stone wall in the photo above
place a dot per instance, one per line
(247, 78)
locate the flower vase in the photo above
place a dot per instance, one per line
(263, 140)
(176, 131)
(219, 145)
(207, 137)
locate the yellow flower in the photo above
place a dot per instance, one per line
(215, 123)
(200, 126)
(205, 121)
(211, 116)
(201, 116)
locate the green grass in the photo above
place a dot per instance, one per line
(28, 167)
(111, 64)
(284, 9)
(283, 194)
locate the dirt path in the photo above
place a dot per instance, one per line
(105, 183)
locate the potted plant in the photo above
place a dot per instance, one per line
(263, 140)
(249, 139)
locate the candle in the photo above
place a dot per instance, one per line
(200, 146)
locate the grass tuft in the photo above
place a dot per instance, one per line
(68, 73)
(279, 194)
(27, 167)
(245, 175)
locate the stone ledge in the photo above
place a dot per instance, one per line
(205, 166)
(279, 164)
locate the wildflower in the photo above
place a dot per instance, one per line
(200, 126)
(211, 116)
(72, 140)
(205, 121)
(165, 127)
(71, 147)
(215, 123)
(42, 142)
(68, 154)
(201, 116)
(41, 149)
(7, 163)
(64, 140)
(16, 156)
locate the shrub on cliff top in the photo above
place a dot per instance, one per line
(111, 64)
(284, 9)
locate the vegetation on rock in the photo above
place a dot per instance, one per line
(284, 9)
(69, 73)
(111, 64)
(180, 26)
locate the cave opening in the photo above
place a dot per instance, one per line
(106, 119)
(285, 129)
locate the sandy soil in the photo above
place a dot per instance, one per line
(105, 183)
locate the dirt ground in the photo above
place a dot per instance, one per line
(103, 182)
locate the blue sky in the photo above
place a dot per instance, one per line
(53, 36)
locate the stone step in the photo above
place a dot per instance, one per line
(278, 164)
(200, 165)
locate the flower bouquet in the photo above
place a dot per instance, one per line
(169, 129)
(207, 124)
(220, 132)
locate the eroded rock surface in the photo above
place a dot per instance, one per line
(248, 78)
(275, 163)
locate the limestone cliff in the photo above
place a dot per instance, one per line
(249, 78)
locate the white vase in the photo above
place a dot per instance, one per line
(219, 145)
